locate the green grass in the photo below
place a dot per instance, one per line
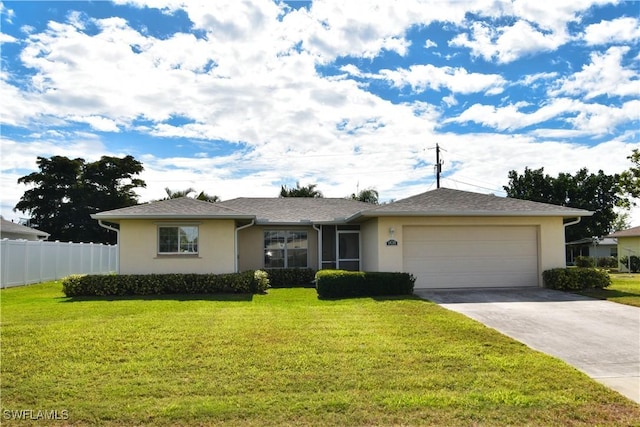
(625, 289)
(284, 358)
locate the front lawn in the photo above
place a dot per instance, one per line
(625, 289)
(284, 358)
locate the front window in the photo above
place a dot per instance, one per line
(178, 239)
(285, 249)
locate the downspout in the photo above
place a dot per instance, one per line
(235, 242)
(108, 227)
(319, 230)
(572, 222)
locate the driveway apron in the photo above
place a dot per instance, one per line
(600, 338)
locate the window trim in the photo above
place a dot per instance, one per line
(178, 226)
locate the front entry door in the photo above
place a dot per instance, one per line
(348, 249)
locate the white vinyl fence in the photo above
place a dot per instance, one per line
(23, 262)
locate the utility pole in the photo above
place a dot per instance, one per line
(438, 166)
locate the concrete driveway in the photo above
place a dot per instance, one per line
(600, 338)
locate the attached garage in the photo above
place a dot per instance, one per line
(471, 256)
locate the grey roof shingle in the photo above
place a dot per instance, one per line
(293, 210)
(180, 208)
(445, 201)
(301, 210)
(13, 228)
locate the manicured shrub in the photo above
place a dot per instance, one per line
(573, 279)
(340, 283)
(159, 284)
(585, 262)
(290, 277)
(633, 262)
(608, 262)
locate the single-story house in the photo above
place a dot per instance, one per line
(446, 238)
(628, 243)
(600, 247)
(14, 231)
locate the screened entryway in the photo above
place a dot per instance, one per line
(340, 247)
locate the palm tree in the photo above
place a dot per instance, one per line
(185, 193)
(306, 191)
(368, 195)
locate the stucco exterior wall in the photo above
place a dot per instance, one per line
(369, 255)
(251, 246)
(551, 250)
(139, 248)
(628, 246)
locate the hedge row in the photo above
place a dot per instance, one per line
(570, 279)
(158, 284)
(340, 283)
(290, 277)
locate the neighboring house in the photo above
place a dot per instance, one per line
(628, 243)
(446, 238)
(601, 247)
(13, 231)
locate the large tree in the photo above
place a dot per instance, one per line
(630, 179)
(599, 193)
(67, 191)
(306, 191)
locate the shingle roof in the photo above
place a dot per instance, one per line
(302, 210)
(293, 210)
(13, 228)
(445, 201)
(180, 208)
(629, 232)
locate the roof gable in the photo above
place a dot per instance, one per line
(445, 201)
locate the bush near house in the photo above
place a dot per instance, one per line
(290, 277)
(159, 284)
(340, 283)
(608, 262)
(570, 279)
(585, 262)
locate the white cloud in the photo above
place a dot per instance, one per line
(605, 75)
(6, 38)
(508, 43)
(620, 30)
(511, 118)
(458, 80)
(252, 80)
(429, 44)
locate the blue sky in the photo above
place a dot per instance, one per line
(238, 98)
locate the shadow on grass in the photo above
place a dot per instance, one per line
(378, 298)
(607, 293)
(165, 297)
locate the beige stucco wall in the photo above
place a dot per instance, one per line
(139, 248)
(251, 246)
(369, 254)
(551, 251)
(625, 245)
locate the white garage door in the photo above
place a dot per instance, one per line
(471, 256)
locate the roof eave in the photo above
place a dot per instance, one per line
(167, 217)
(562, 214)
